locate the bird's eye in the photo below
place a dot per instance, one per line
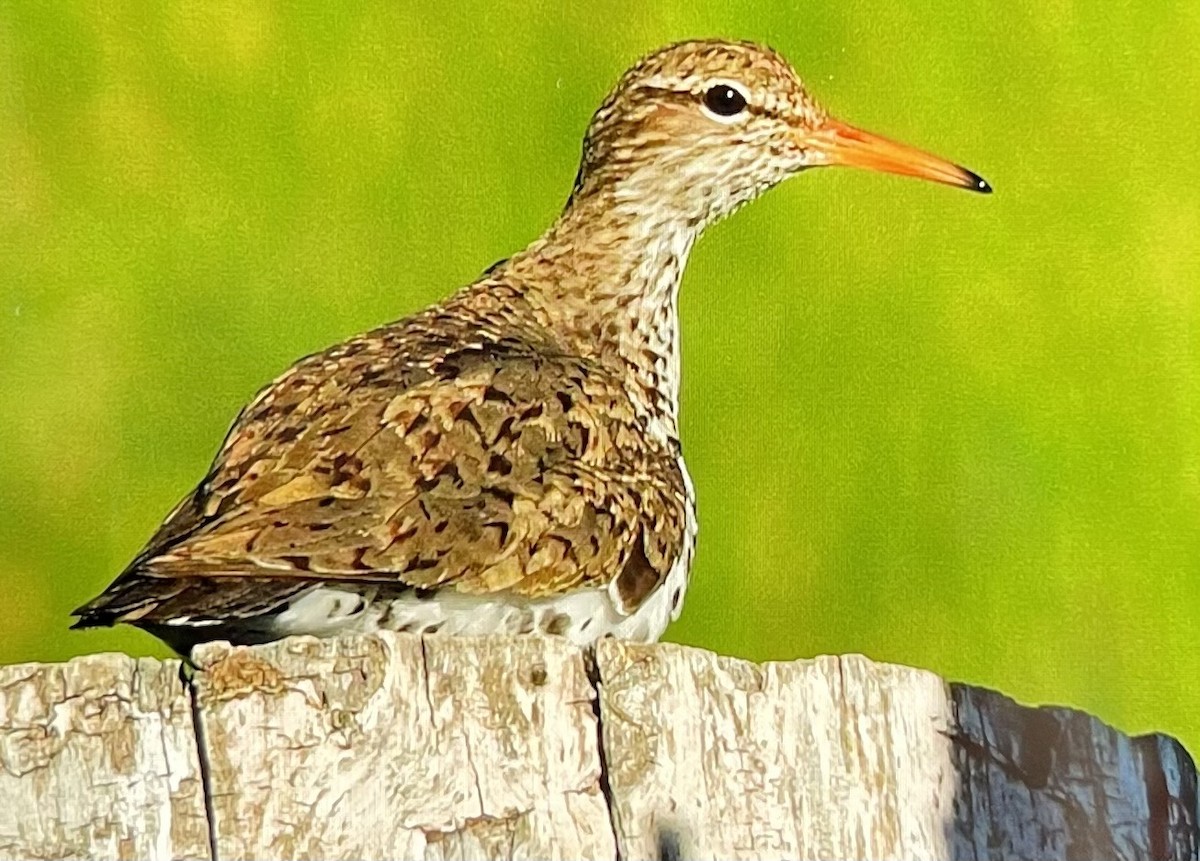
(724, 100)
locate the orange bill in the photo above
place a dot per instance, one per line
(838, 143)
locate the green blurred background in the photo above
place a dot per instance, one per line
(945, 430)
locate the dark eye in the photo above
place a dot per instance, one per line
(724, 101)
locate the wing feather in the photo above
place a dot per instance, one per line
(419, 456)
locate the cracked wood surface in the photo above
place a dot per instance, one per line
(396, 747)
(840, 757)
(391, 746)
(98, 760)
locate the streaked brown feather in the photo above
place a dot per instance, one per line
(425, 454)
(519, 440)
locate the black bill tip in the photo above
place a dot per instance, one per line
(978, 183)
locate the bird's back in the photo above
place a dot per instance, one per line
(457, 456)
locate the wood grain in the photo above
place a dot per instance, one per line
(98, 759)
(391, 745)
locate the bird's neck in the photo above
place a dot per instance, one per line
(604, 279)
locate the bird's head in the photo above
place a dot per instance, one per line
(701, 127)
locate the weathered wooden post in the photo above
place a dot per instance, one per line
(392, 746)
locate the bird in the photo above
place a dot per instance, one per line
(507, 461)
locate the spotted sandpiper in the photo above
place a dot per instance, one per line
(507, 461)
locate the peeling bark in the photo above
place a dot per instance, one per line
(839, 757)
(98, 760)
(828, 758)
(392, 746)
(1056, 783)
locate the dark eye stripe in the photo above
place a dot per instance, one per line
(687, 96)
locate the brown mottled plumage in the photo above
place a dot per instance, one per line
(508, 460)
